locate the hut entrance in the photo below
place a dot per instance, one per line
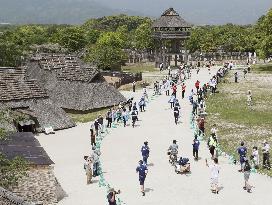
(25, 120)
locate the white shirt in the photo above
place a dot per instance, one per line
(214, 171)
(266, 148)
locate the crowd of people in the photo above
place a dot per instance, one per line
(169, 86)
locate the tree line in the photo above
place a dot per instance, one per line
(103, 40)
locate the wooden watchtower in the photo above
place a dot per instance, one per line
(170, 32)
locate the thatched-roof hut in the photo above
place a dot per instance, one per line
(26, 95)
(72, 84)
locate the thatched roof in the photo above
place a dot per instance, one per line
(16, 92)
(170, 19)
(79, 88)
(13, 86)
(25, 145)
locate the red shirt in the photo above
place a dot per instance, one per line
(183, 87)
(197, 84)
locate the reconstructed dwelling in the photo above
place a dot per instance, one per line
(26, 96)
(39, 184)
(72, 84)
(50, 83)
(170, 32)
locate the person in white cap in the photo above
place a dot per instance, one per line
(265, 149)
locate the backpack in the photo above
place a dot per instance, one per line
(247, 167)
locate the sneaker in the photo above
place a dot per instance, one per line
(249, 191)
(143, 193)
(244, 188)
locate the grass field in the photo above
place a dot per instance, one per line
(236, 121)
(140, 67)
(87, 116)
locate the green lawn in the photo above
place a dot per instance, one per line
(88, 116)
(263, 68)
(236, 121)
(141, 67)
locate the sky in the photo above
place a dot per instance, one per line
(200, 11)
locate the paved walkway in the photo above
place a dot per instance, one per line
(121, 153)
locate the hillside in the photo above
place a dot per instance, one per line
(53, 11)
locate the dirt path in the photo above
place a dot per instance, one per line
(121, 153)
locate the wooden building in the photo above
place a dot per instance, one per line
(170, 32)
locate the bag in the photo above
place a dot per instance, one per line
(247, 167)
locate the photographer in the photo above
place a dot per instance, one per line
(111, 196)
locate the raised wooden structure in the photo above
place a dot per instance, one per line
(170, 32)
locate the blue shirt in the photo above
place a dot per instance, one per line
(141, 170)
(145, 151)
(196, 144)
(242, 151)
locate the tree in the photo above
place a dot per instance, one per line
(11, 170)
(73, 38)
(143, 37)
(107, 53)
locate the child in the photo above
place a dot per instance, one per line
(249, 98)
(255, 157)
(214, 168)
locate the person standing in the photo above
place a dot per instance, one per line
(142, 170)
(145, 150)
(134, 86)
(92, 135)
(197, 83)
(88, 169)
(236, 77)
(96, 126)
(214, 168)
(242, 151)
(95, 159)
(266, 160)
(183, 88)
(172, 101)
(246, 169)
(195, 144)
(109, 118)
(249, 98)
(255, 157)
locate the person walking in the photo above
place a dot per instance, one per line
(214, 169)
(266, 160)
(111, 196)
(142, 171)
(183, 88)
(246, 169)
(176, 114)
(172, 101)
(197, 83)
(242, 151)
(134, 86)
(195, 144)
(133, 117)
(174, 88)
(212, 143)
(145, 150)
